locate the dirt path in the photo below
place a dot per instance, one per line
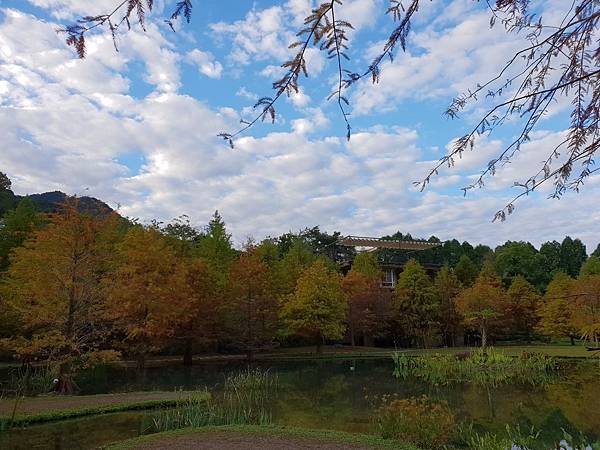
(56, 403)
(241, 441)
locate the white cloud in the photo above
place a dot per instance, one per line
(206, 63)
(67, 122)
(261, 35)
(451, 53)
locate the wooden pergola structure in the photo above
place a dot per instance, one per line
(375, 243)
(391, 269)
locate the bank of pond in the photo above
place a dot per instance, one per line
(465, 401)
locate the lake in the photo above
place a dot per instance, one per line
(337, 394)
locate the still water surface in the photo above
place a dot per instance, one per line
(335, 395)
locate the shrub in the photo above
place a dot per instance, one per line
(418, 421)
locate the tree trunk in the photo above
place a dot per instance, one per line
(352, 337)
(483, 337)
(188, 352)
(141, 362)
(65, 384)
(320, 341)
(572, 340)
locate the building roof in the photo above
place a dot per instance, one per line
(361, 241)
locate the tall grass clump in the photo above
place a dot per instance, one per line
(29, 381)
(244, 400)
(489, 367)
(513, 438)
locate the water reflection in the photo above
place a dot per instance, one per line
(329, 394)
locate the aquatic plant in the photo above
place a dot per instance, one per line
(513, 438)
(25, 381)
(251, 380)
(489, 367)
(419, 421)
(244, 400)
(28, 381)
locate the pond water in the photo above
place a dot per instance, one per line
(336, 395)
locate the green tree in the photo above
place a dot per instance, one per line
(416, 309)
(447, 287)
(19, 223)
(596, 252)
(181, 235)
(317, 307)
(514, 259)
(452, 251)
(367, 264)
(5, 183)
(466, 271)
(520, 310)
(294, 262)
(551, 253)
(572, 256)
(480, 253)
(481, 304)
(216, 248)
(555, 311)
(590, 267)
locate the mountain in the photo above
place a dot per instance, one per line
(51, 201)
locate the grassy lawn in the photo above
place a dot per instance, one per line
(557, 350)
(254, 436)
(349, 352)
(48, 408)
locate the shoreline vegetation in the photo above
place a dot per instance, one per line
(49, 408)
(489, 367)
(240, 414)
(349, 352)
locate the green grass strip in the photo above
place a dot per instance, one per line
(51, 416)
(321, 436)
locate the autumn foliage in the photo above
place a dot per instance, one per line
(83, 288)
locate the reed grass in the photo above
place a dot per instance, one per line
(490, 367)
(246, 399)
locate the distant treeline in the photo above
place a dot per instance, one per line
(81, 286)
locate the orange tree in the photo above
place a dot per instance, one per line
(252, 308)
(481, 305)
(149, 293)
(317, 307)
(200, 316)
(369, 308)
(54, 287)
(520, 310)
(361, 295)
(586, 311)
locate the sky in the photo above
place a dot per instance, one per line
(138, 128)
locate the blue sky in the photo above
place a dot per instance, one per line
(138, 128)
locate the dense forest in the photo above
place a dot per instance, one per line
(81, 285)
